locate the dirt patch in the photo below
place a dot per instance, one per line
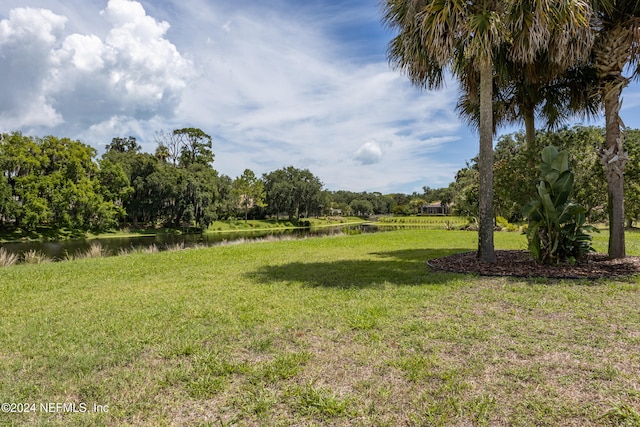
(521, 264)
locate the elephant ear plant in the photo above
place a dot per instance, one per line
(557, 232)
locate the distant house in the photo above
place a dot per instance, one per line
(435, 208)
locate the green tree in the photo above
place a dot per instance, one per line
(465, 190)
(250, 191)
(225, 205)
(361, 207)
(293, 191)
(124, 145)
(515, 175)
(53, 181)
(199, 195)
(195, 146)
(435, 35)
(114, 185)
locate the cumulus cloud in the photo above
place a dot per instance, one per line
(84, 79)
(369, 153)
(27, 38)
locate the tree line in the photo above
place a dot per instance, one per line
(60, 183)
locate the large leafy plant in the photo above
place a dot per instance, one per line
(557, 231)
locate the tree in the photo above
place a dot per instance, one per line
(465, 190)
(52, 181)
(8, 205)
(435, 35)
(199, 195)
(124, 145)
(465, 37)
(293, 191)
(114, 184)
(616, 50)
(169, 146)
(249, 190)
(361, 207)
(195, 146)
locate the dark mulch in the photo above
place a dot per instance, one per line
(521, 264)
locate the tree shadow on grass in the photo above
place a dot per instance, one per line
(404, 267)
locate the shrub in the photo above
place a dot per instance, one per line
(34, 257)
(556, 231)
(95, 251)
(502, 222)
(7, 258)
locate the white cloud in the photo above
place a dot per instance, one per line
(83, 79)
(369, 153)
(26, 40)
(281, 95)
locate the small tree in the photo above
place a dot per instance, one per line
(557, 230)
(249, 191)
(361, 207)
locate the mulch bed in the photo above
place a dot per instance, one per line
(521, 264)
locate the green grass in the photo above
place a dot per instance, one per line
(430, 222)
(350, 330)
(271, 224)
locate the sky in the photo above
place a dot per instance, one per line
(278, 83)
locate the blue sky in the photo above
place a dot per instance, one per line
(274, 83)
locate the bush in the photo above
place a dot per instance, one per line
(502, 222)
(556, 231)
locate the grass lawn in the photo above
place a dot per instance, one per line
(350, 330)
(426, 221)
(272, 224)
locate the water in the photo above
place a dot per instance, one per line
(112, 245)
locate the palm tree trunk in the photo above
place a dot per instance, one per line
(530, 132)
(614, 159)
(486, 251)
(530, 127)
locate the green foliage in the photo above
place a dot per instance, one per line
(515, 171)
(248, 191)
(52, 181)
(465, 188)
(293, 191)
(556, 230)
(361, 207)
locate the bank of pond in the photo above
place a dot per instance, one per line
(119, 244)
(35, 251)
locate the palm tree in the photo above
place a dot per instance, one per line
(434, 35)
(617, 49)
(521, 95)
(465, 36)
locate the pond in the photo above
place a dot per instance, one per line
(113, 245)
